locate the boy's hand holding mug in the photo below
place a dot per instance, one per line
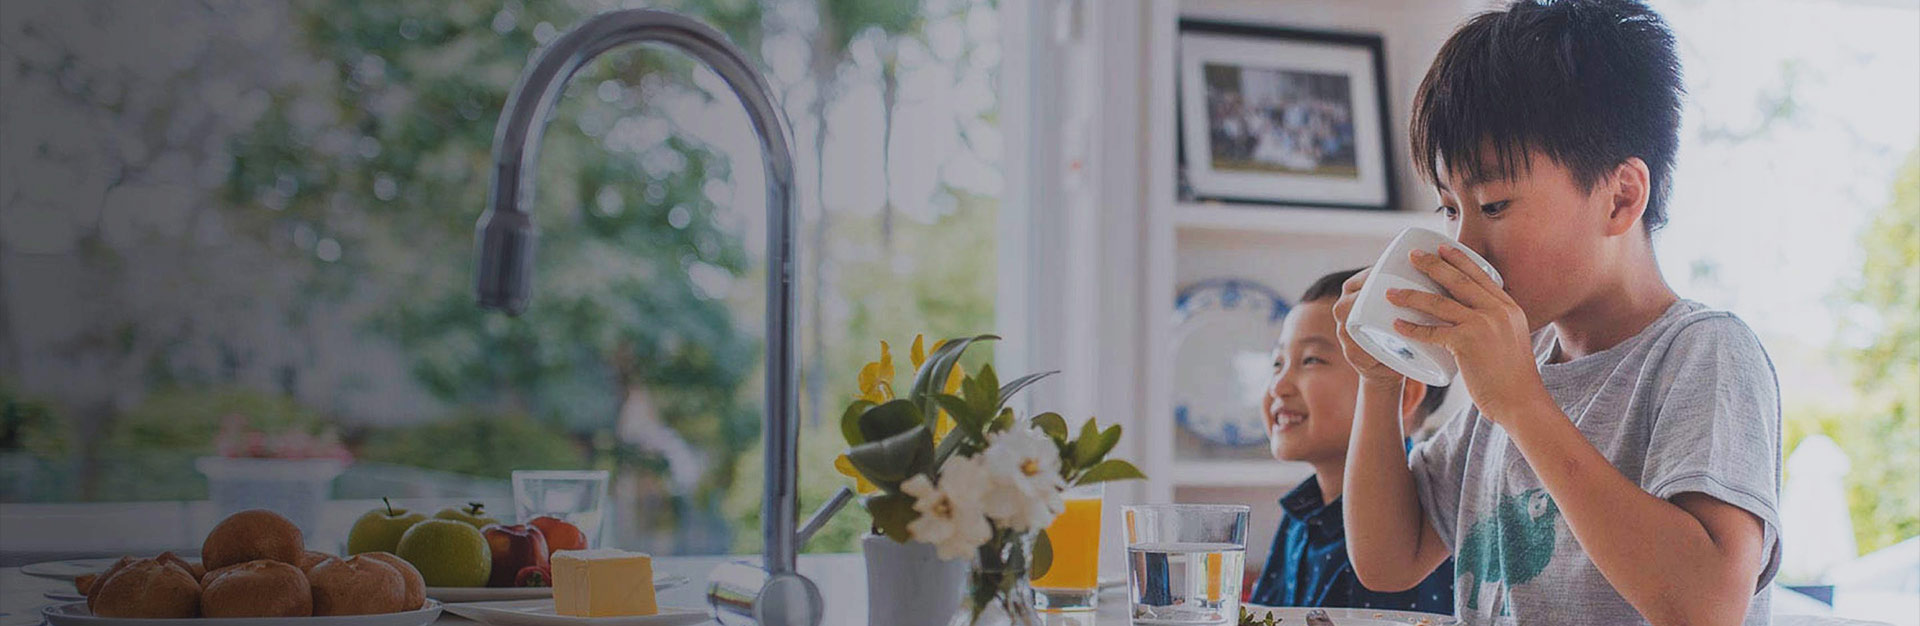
(1464, 325)
(1374, 375)
(1482, 326)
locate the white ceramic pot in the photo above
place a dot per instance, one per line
(908, 584)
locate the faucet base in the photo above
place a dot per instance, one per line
(743, 593)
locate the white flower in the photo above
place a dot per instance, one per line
(950, 516)
(1027, 488)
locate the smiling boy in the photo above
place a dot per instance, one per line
(1621, 462)
(1308, 410)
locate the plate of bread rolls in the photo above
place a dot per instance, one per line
(254, 571)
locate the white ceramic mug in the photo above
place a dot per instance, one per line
(1371, 320)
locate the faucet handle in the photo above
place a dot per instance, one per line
(821, 516)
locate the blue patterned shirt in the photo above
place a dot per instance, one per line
(1309, 566)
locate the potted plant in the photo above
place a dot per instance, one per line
(946, 465)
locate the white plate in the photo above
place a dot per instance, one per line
(1223, 337)
(491, 594)
(69, 569)
(76, 614)
(540, 613)
(1353, 617)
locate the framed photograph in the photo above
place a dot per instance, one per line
(1282, 116)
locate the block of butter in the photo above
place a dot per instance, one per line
(603, 583)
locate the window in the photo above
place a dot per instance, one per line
(266, 211)
(1795, 206)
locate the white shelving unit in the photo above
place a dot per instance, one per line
(1291, 221)
(1279, 246)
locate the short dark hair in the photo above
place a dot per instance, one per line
(1329, 287)
(1589, 83)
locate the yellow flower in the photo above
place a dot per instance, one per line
(876, 378)
(844, 465)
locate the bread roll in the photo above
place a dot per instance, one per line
(259, 588)
(311, 558)
(416, 586)
(146, 588)
(189, 566)
(357, 585)
(95, 581)
(252, 535)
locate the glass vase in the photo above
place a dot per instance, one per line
(998, 589)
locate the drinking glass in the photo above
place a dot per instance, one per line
(1185, 562)
(579, 497)
(1072, 583)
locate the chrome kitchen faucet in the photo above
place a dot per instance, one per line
(777, 594)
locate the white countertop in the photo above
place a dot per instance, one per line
(841, 578)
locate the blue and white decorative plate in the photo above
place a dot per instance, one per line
(1223, 337)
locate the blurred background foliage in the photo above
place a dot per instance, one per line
(1881, 431)
(270, 214)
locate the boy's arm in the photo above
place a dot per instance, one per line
(1389, 542)
(1694, 560)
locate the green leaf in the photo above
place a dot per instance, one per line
(1086, 444)
(1051, 424)
(932, 376)
(1002, 421)
(1007, 391)
(1042, 555)
(891, 513)
(850, 422)
(886, 420)
(955, 443)
(1108, 439)
(965, 419)
(1110, 469)
(987, 394)
(890, 461)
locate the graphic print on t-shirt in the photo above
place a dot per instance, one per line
(1510, 547)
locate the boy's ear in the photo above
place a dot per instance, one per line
(1632, 186)
(1411, 393)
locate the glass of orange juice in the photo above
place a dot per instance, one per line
(1072, 583)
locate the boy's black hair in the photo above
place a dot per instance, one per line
(1588, 83)
(1327, 288)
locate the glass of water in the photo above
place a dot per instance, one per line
(579, 497)
(1185, 562)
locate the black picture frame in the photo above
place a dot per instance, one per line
(1194, 183)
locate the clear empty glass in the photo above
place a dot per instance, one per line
(579, 497)
(1185, 562)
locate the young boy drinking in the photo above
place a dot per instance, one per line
(1621, 461)
(1309, 416)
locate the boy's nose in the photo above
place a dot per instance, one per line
(1281, 385)
(1472, 234)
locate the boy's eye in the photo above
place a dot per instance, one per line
(1491, 209)
(1447, 211)
(1313, 360)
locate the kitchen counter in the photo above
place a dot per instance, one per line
(841, 577)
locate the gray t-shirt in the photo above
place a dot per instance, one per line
(1690, 404)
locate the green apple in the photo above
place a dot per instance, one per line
(379, 530)
(448, 553)
(473, 515)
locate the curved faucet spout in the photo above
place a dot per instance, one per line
(506, 232)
